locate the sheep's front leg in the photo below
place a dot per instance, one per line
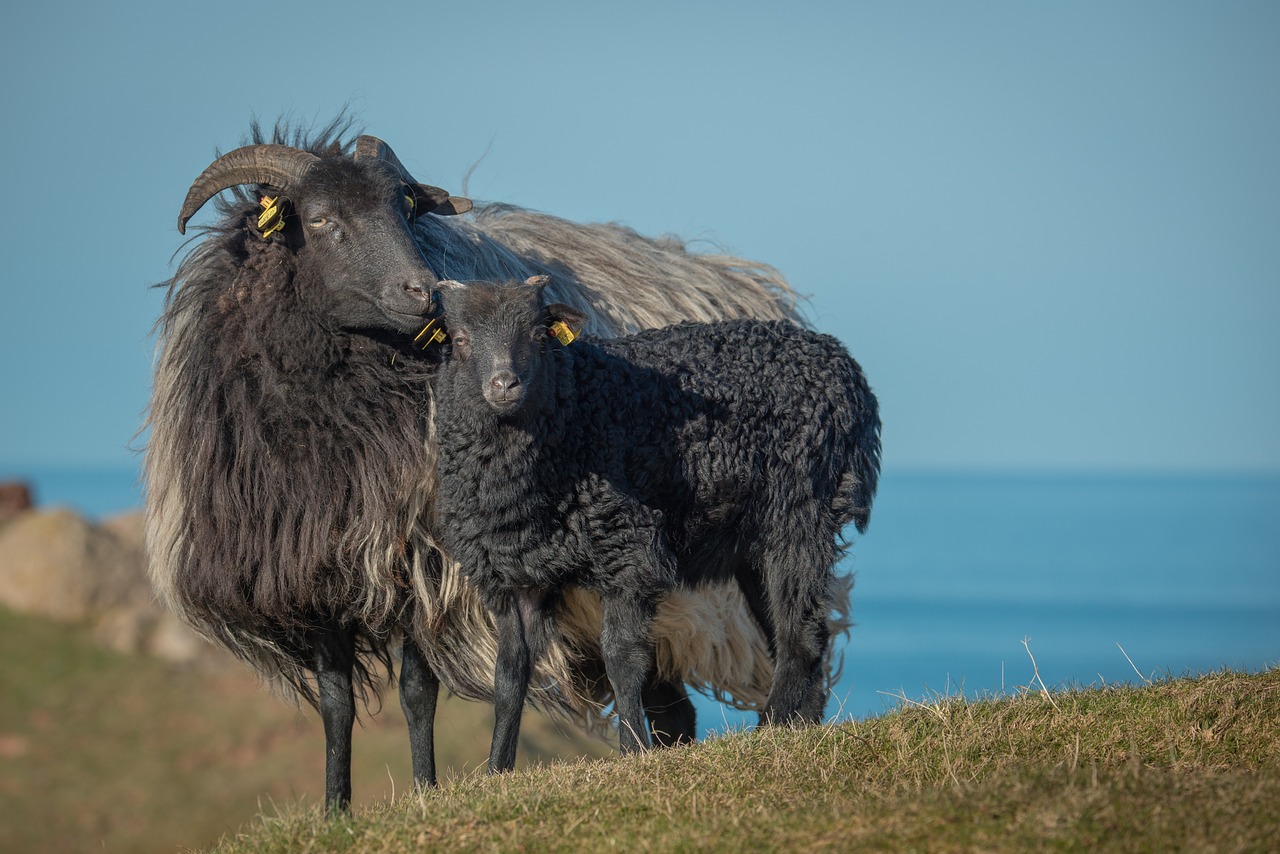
(510, 685)
(334, 652)
(624, 641)
(419, 691)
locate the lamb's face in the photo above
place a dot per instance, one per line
(499, 335)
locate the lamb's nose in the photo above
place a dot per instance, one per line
(504, 385)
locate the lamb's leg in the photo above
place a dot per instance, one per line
(795, 573)
(334, 650)
(672, 718)
(624, 641)
(797, 694)
(510, 685)
(814, 707)
(419, 690)
(749, 582)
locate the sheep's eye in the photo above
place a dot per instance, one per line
(318, 222)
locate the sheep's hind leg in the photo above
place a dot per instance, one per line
(419, 691)
(672, 717)
(334, 651)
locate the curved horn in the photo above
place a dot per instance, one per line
(437, 201)
(372, 148)
(277, 165)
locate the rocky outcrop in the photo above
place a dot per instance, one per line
(15, 497)
(56, 563)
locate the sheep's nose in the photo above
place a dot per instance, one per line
(419, 285)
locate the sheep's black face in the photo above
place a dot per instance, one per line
(497, 336)
(352, 233)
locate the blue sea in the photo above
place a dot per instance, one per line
(1179, 573)
(95, 492)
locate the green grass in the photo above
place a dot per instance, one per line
(1183, 764)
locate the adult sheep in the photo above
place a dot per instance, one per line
(289, 470)
(696, 453)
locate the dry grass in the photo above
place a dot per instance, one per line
(1188, 764)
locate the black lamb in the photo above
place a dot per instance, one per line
(691, 454)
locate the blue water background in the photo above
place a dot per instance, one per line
(97, 493)
(1181, 571)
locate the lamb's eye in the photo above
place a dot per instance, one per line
(318, 222)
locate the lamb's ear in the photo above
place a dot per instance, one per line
(565, 322)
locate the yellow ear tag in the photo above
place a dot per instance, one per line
(430, 334)
(562, 333)
(270, 221)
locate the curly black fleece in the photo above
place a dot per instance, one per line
(687, 454)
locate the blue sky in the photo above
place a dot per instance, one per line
(1050, 232)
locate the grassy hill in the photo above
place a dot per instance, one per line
(101, 751)
(1184, 764)
(1180, 765)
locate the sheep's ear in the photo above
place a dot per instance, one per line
(429, 199)
(565, 322)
